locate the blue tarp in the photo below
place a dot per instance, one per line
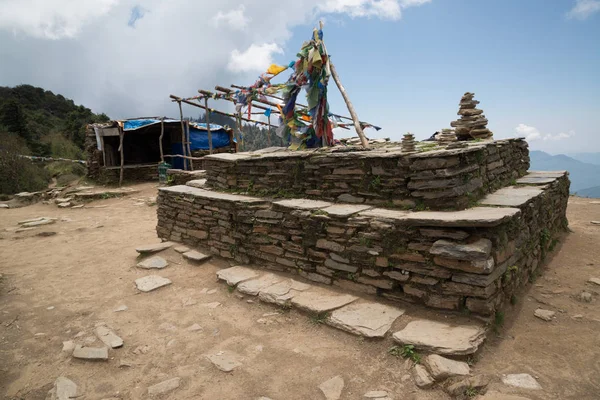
(133, 124)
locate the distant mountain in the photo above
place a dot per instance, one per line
(590, 158)
(585, 178)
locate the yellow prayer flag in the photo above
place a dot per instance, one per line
(275, 69)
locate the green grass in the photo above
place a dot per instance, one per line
(406, 351)
(318, 318)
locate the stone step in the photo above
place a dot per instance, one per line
(541, 177)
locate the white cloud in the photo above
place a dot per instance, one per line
(235, 19)
(256, 58)
(53, 19)
(385, 9)
(584, 9)
(531, 133)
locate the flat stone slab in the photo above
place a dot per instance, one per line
(511, 196)
(365, 319)
(64, 389)
(108, 337)
(345, 210)
(283, 292)
(38, 223)
(231, 157)
(197, 183)
(164, 387)
(320, 301)
(443, 368)
(535, 180)
(181, 249)
(151, 282)
(303, 204)
(235, 275)
(155, 262)
(523, 381)
(210, 195)
(492, 395)
(254, 286)
(26, 221)
(153, 248)
(225, 362)
(196, 256)
(422, 377)
(472, 217)
(90, 353)
(332, 388)
(595, 281)
(478, 250)
(441, 338)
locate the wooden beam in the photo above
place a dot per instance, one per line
(122, 151)
(160, 139)
(210, 146)
(357, 126)
(182, 135)
(187, 131)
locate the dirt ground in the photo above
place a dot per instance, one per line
(57, 288)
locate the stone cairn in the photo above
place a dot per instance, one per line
(408, 143)
(447, 136)
(472, 123)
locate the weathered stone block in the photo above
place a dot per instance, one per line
(477, 250)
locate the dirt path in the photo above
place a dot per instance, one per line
(55, 287)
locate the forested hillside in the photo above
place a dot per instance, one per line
(34, 121)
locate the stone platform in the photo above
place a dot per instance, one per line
(472, 259)
(432, 177)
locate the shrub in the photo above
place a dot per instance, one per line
(19, 174)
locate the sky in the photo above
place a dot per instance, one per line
(533, 64)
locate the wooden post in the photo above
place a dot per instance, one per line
(182, 135)
(122, 151)
(189, 149)
(210, 147)
(269, 135)
(160, 139)
(359, 130)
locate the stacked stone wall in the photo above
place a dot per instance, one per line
(443, 179)
(467, 260)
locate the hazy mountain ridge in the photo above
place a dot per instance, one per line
(585, 177)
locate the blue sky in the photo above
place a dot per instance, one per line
(405, 63)
(525, 60)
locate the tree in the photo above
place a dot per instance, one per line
(14, 120)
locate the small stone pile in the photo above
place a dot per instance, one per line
(447, 136)
(408, 143)
(472, 123)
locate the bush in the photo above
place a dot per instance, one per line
(61, 147)
(19, 174)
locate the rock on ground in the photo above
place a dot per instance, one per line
(477, 382)
(377, 394)
(442, 368)
(365, 319)
(441, 338)
(196, 256)
(153, 248)
(225, 362)
(164, 387)
(546, 315)
(235, 275)
(254, 286)
(595, 281)
(68, 346)
(492, 395)
(64, 389)
(523, 381)
(108, 337)
(182, 249)
(332, 389)
(151, 282)
(90, 353)
(422, 377)
(281, 293)
(155, 262)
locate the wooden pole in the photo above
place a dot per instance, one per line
(359, 130)
(210, 147)
(160, 139)
(122, 151)
(269, 132)
(182, 135)
(189, 149)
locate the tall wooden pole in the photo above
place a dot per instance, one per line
(269, 134)
(182, 135)
(189, 149)
(210, 147)
(122, 151)
(160, 139)
(357, 126)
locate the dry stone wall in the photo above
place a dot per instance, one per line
(441, 179)
(464, 260)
